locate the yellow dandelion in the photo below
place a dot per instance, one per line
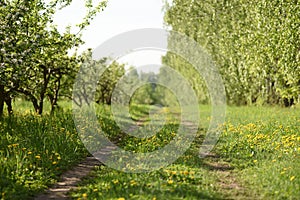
(84, 195)
(54, 163)
(132, 182)
(38, 157)
(255, 161)
(292, 178)
(29, 152)
(173, 172)
(185, 172)
(121, 198)
(95, 190)
(170, 181)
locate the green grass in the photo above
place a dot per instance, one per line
(261, 146)
(34, 150)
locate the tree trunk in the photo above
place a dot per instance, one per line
(46, 76)
(54, 98)
(1, 100)
(288, 102)
(32, 99)
(8, 101)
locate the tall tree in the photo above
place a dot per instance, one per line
(255, 44)
(34, 55)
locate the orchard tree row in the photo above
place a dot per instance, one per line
(34, 59)
(255, 45)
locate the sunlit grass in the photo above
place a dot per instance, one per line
(260, 143)
(34, 150)
(263, 144)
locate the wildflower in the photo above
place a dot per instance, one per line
(38, 157)
(84, 195)
(274, 160)
(170, 181)
(29, 152)
(95, 190)
(132, 182)
(54, 163)
(255, 161)
(292, 178)
(185, 172)
(121, 198)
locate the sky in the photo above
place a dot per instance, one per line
(119, 16)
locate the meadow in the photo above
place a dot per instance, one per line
(256, 157)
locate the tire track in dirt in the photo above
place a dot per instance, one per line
(69, 180)
(227, 180)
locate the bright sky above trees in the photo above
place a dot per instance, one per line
(119, 16)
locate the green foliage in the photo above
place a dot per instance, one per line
(96, 79)
(34, 56)
(107, 82)
(254, 44)
(152, 91)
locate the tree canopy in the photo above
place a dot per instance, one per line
(34, 55)
(255, 45)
